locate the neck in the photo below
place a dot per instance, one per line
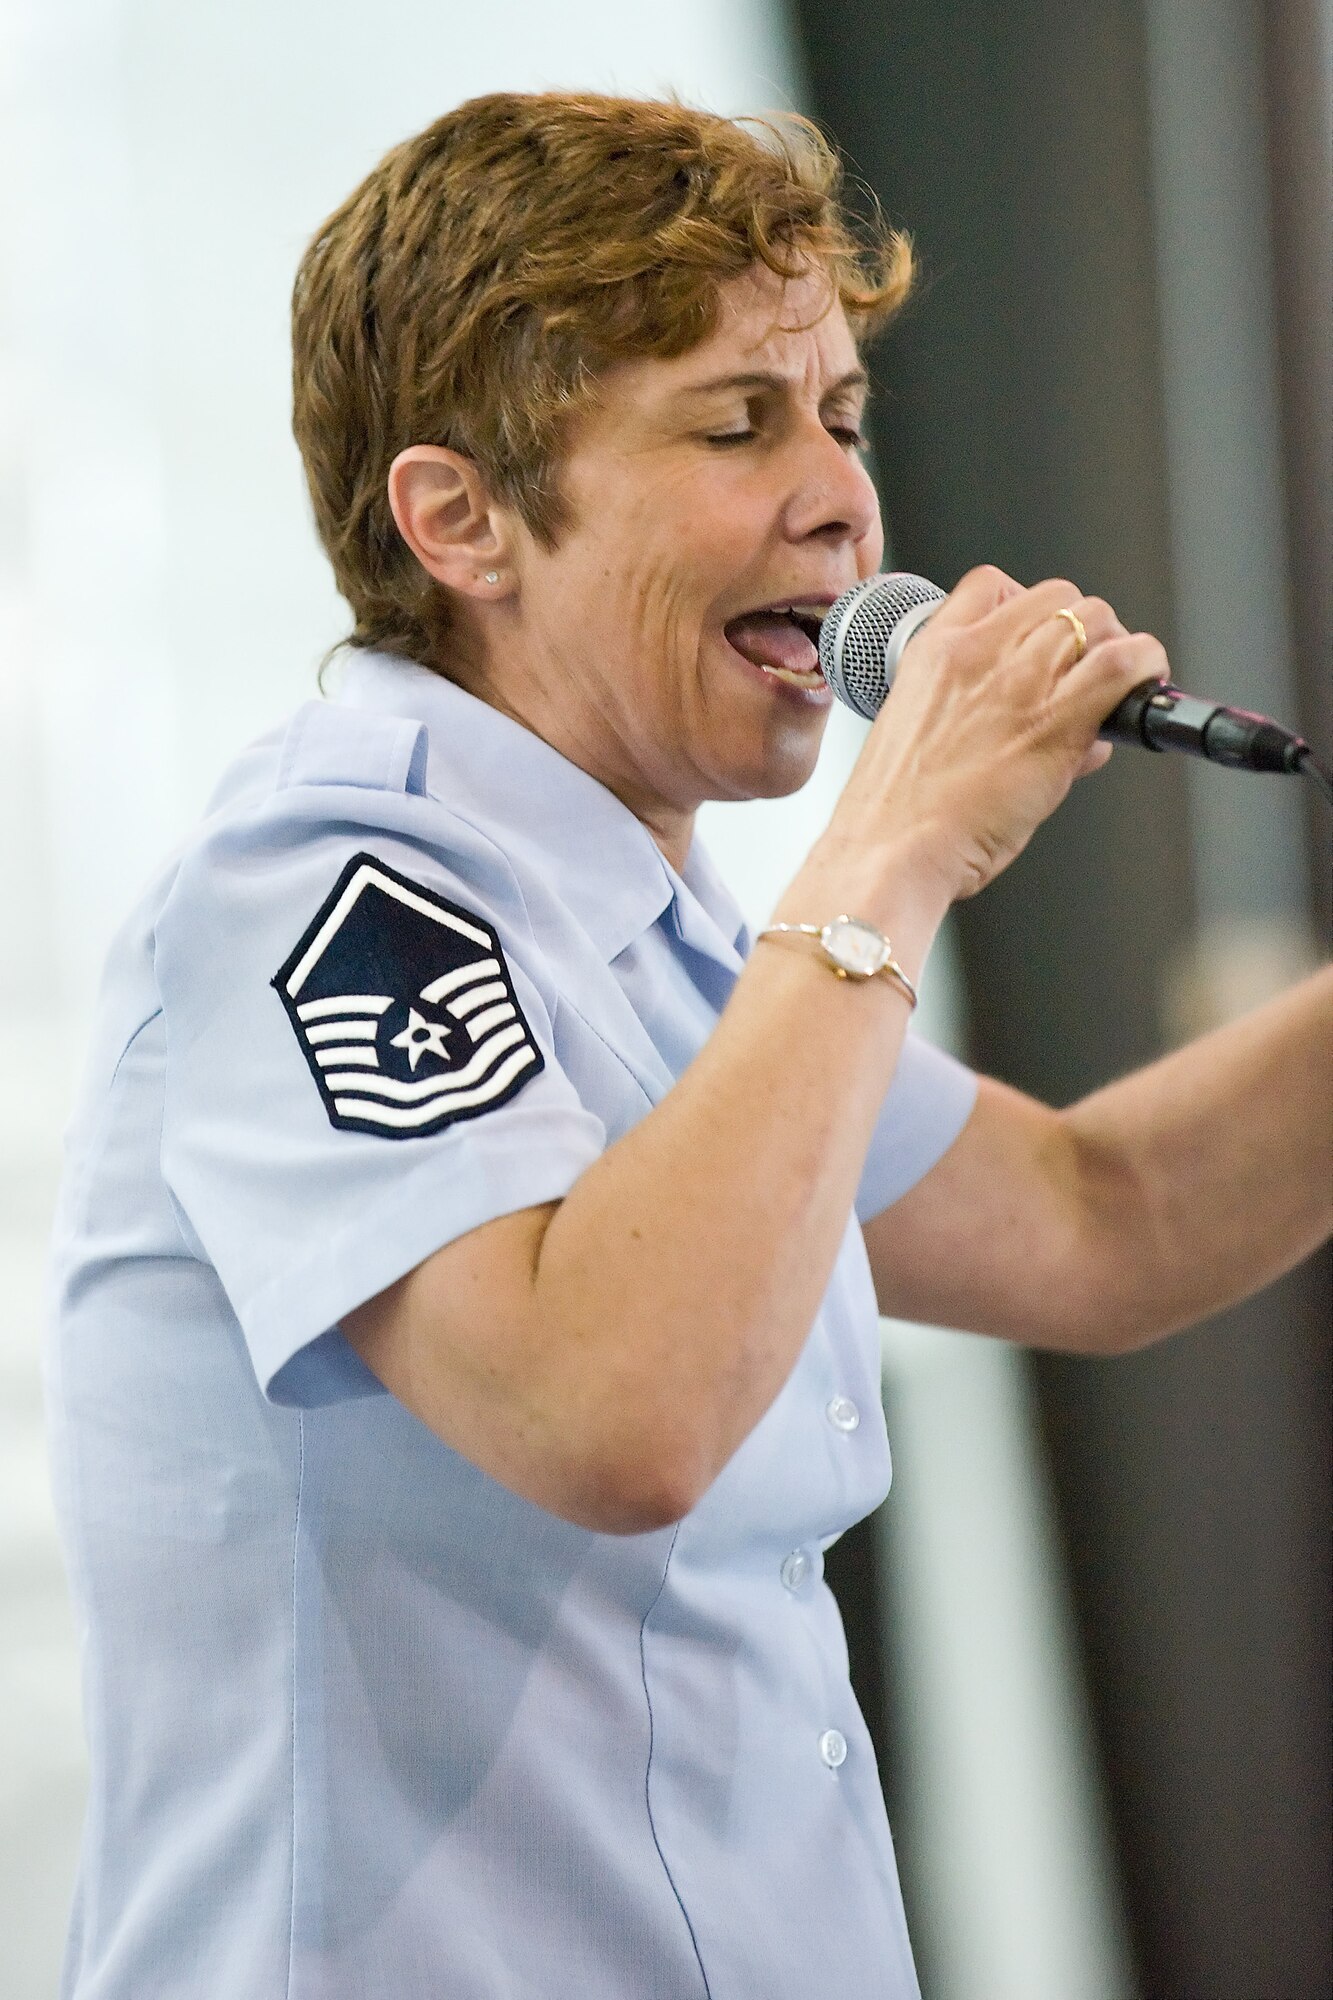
(671, 826)
(672, 833)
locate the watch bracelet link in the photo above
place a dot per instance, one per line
(826, 936)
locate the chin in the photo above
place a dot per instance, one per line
(774, 774)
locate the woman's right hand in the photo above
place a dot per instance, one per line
(989, 721)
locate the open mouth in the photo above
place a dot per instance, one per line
(782, 640)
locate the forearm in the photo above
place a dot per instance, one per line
(685, 1268)
(1206, 1175)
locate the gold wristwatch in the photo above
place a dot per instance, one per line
(852, 947)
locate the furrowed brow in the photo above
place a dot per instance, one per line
(855, 380)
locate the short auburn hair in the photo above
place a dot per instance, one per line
(474, 286)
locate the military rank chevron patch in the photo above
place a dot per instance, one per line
(404, 1007)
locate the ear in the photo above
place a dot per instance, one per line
(458, 534)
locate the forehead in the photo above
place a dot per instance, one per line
(794, 329)
(798, 321)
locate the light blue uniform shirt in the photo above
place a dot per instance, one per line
(361, 1721)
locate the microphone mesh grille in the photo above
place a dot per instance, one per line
(854, 640)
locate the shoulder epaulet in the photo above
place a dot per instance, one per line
(327, 744)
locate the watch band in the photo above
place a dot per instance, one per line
(852, 948)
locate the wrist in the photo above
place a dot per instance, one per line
(853, 949)
(896, 888)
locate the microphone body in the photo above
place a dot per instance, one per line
(863, 636)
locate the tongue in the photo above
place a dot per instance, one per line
(770, 640)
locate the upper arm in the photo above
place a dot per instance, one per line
(361, 1064)
(999, 1236)
(467, 1344)
(460, 1341)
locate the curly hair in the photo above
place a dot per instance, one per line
(474, 286)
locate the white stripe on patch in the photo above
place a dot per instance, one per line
(343, 1031)
(449, 982)
(444, 1086)
(477, 997)
(345, 1003)
(481, 1024)
(421, 1114)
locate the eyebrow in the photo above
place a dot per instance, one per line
(855, 378)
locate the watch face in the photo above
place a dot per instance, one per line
(857, 949)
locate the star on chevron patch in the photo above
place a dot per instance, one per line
(404, 1008)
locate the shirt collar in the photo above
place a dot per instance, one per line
(705, 914)
(596, 856)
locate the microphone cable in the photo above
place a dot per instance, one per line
(1310, 765)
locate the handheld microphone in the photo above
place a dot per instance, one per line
(863, 635)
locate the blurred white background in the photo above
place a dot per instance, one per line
(162, 600)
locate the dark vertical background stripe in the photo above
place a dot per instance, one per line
(1019, 421)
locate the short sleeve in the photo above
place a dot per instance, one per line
(924, 1109)
(360, 1061)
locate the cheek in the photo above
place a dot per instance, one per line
(630, 629)
(662, 595)
(669, 624)
(656, 558)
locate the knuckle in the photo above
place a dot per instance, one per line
(1145, 649)
(988, 582)
(1134, 657)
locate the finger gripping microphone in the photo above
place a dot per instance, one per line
(862, 638)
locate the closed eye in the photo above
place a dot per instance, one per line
(846, 434)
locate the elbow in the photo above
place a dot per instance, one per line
(623, 1457)
(1153, 1321)
(1109, 1289)
(1095, 1319)
(636, 1486)
(625, 1508)
(1113, 1339)
(637, 1514)
(639, 1498)
(1112, 1323)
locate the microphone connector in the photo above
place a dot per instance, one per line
(1159, 716)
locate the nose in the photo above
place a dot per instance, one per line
(833, 497)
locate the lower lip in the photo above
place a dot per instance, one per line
(820, 696)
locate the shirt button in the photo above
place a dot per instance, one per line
(843, 1414)
(795, 1569)
(833, 1748)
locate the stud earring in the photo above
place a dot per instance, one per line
(492, 576)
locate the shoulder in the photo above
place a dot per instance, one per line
(292, 812)
(324, 852)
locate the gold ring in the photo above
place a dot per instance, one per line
(1079, 631)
